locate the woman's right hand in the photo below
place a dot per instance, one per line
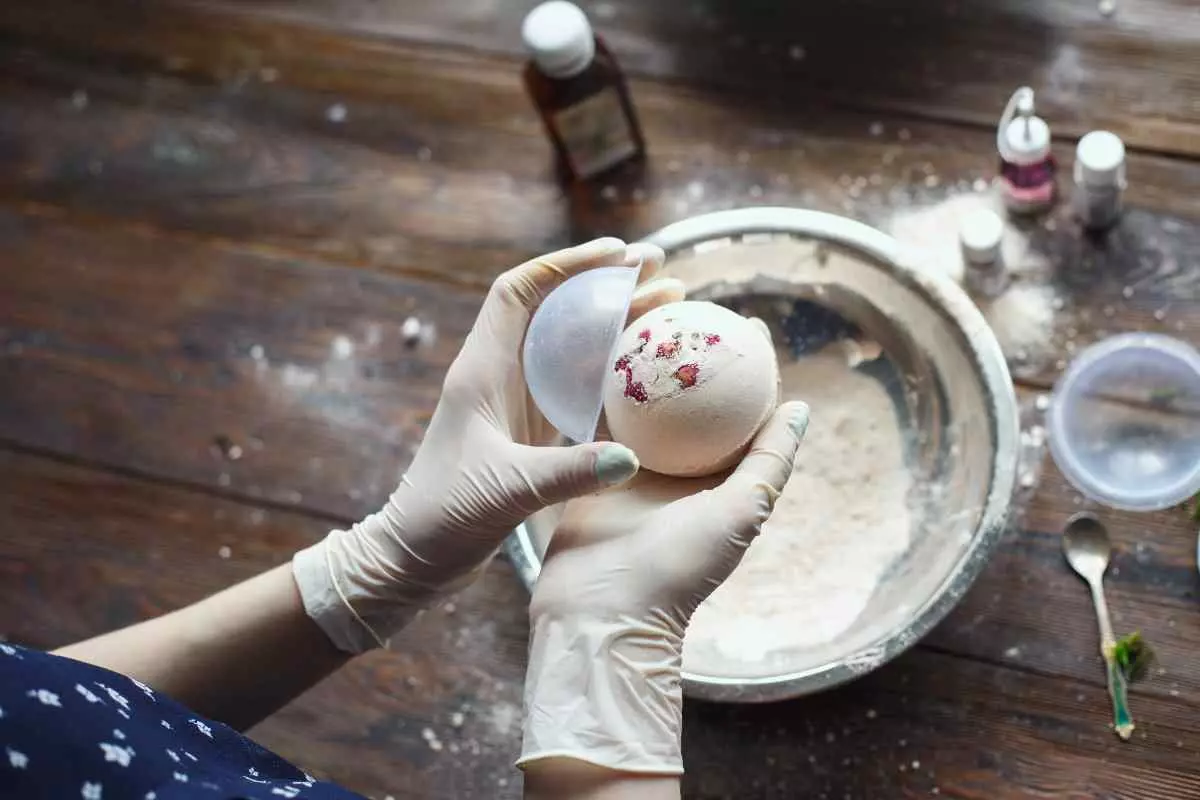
(623, 574)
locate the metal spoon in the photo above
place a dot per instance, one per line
(1087, 548)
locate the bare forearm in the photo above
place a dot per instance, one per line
(569, 779)
(236, 656)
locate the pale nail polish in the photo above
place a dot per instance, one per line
(616, 464)
(798, 421)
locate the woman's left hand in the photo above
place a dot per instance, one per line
(484, 466)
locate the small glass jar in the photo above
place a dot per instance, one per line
(1099, 179)
(580, 92)
(980, 235)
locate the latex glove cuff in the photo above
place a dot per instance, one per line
(360, 592)
(607, 692)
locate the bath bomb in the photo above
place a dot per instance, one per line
(689, 387)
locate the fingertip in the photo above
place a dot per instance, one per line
(657, 292)
(603, 244)
(772, 455)
(798, 414)
(650, 257)
(670, 290)
(605, 251)
(616, 464)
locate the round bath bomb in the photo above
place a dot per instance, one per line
(689, 387)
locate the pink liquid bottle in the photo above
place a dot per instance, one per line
(1027, 167)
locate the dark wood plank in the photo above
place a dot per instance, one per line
(83, 552)
(1143, 275)
(447, 176)
(277, 175)
(151, 354)
(131, 332)
(1029, 611)
(1132, 73)
(162, 340)
(930, 720)
(935, 725)
(178, 346)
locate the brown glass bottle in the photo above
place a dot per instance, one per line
(580, 93)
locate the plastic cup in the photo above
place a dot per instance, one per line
(1124, 425)
(570, 345)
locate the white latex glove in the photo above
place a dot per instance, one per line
(624, 571)
(482, 468)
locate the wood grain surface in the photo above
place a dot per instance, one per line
(84, 550)
(1134, 73)
(202, 164)
(205, 277)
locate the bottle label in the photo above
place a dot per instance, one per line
(1097, 206)
(596, 133)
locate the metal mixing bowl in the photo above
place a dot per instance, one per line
(944, 372)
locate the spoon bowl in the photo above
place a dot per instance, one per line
(1086, 546)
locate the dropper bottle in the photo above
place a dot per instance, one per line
(1027, 167)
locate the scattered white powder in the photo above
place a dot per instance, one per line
(1023, 320)
(1023, 316)
(933, 232)
(342, 347)
(841, 522)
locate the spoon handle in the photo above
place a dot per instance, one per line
(1107, 639)
(1117, 687)
(1122, 719)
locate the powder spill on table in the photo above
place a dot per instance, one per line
(1022, 317)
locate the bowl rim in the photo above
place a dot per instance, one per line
(991, 368)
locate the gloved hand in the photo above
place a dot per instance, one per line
(482, 468)
(623, 573)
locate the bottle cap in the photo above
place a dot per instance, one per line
(1027, 140)
(979, 234)
(1022, 137)
(1100, 159)
(559, 38)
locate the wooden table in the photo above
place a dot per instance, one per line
(197, 255)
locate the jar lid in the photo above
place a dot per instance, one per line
(980, 233)
(1100, 158)
(559, 38)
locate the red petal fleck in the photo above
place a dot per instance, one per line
(622, 364)
(687, 375)
(635, 391)
(711, 338)
(667, 349)
(645, 335)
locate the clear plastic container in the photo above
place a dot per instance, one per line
(1124, 425)
(570, 345)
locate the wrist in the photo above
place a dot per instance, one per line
(357, 593)
(605, 691)
(570, 779)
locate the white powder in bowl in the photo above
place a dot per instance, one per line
(841, 522)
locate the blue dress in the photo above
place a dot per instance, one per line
(71, 730)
